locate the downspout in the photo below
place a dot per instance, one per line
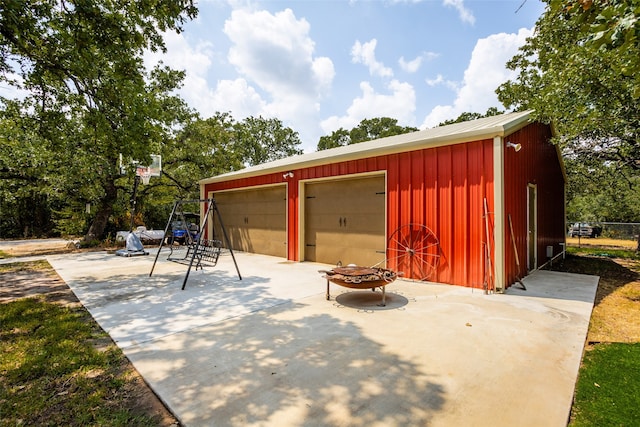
(498, 214)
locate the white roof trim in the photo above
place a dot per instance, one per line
(488, 127)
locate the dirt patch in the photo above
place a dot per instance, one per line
(18, 248)
(33, 279)
(617, 304)
(36, 247)
(602, 242)
(39, 280)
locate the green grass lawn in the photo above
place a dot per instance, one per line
(58, 368)
(608, 388)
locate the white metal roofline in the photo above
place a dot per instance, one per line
(488, 127)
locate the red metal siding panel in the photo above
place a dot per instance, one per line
(445, 214)
(476, 231)
(393, 194)
(417, 180)
(431, 192)
(488, 187)
(404, 185)
(460, 213)
(536, 163)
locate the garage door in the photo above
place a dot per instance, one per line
(345, 221)
(255, 220)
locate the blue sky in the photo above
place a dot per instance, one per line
(319, 65)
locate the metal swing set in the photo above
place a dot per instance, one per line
(196, 251)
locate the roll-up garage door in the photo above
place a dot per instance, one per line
(345, 221)
(255, 219)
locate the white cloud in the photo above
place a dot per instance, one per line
(277, 72)
(400, 104)
(413, 65)
(440, 80)
(465, 14)
(237, 97)
(365, 54)
(275, 52)
(195, 61)
(485, 72)
(435, 82)
(410, 66)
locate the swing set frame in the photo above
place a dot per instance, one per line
(196, 251)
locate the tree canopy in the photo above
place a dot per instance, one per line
(579, 72)
(259, 140)
(200, 149)
(219, 144)
(87, 97)
(609, 25)
(367, 130)
(466, 116)
(569, 75)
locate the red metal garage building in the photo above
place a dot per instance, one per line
(436, 204)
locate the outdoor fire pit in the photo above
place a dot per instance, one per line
(357, 277)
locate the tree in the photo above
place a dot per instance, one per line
(23, 197)
(609, 25)
(577, 72)
(88, 95)
(217, 145)
(597, 194)
(367, 130)
(338, 138)
(466, 116)
(203, 148)
(259, 140)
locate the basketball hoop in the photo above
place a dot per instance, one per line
(144, 173)
(145, 176)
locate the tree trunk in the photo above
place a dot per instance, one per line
(105, 208)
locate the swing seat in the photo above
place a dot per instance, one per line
(203, 254)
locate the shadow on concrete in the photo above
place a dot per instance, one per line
(371, 301)
(284, 367)
(134, 308)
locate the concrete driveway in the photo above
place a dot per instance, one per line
(270, 350)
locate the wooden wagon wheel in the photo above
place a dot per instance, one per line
(414, 250)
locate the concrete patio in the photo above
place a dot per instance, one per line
(270, 350)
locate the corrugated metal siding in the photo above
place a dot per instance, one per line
(536, 163)
(442, 188)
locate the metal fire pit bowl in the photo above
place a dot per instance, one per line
(357, 277)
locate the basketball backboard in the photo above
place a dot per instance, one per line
(154, 169)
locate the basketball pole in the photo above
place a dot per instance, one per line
(136, 182)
